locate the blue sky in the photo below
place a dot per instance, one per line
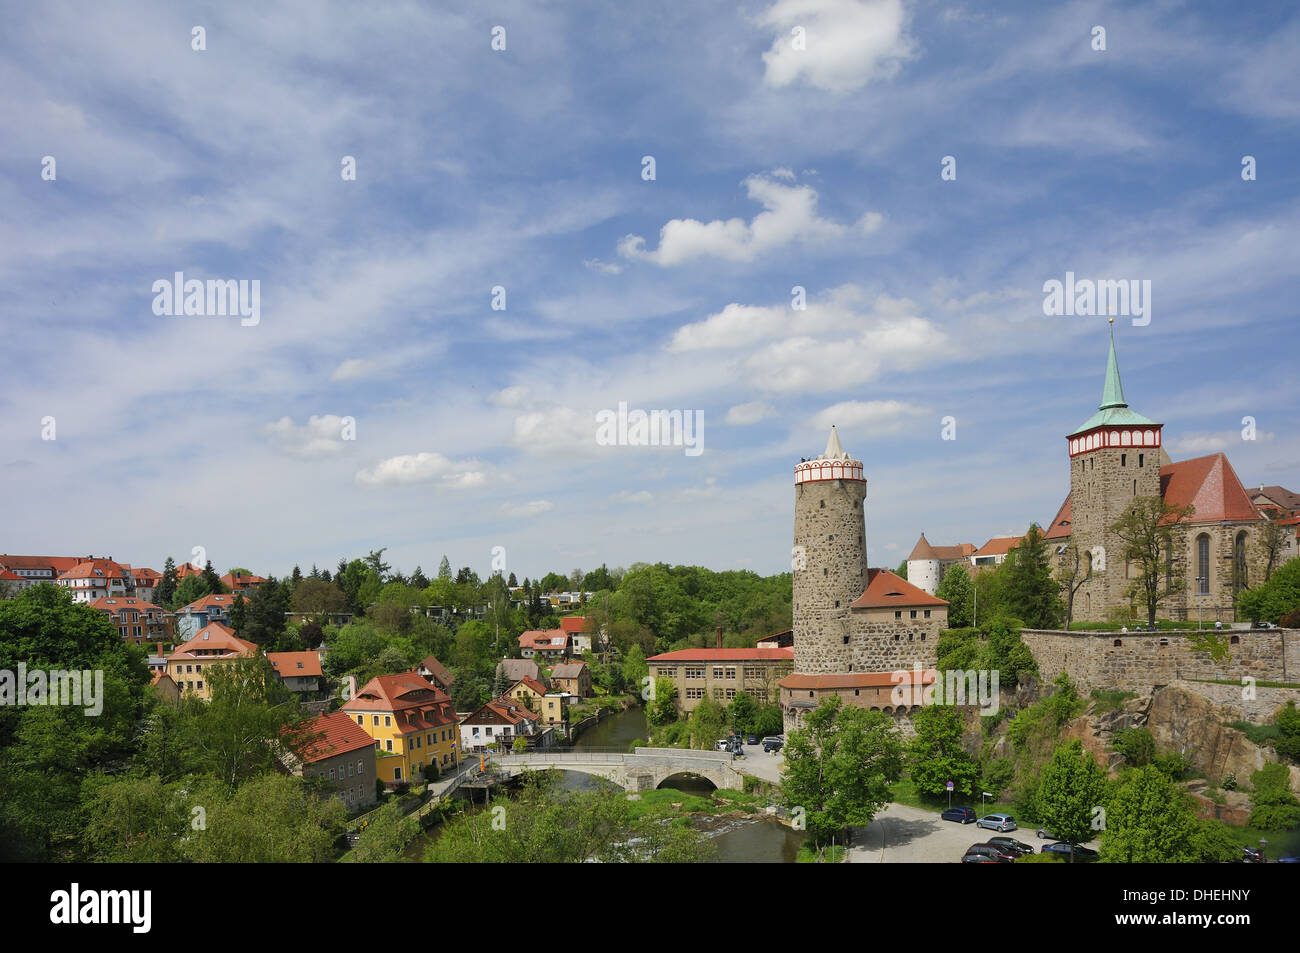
(522, 168)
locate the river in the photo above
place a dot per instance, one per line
(737, 840)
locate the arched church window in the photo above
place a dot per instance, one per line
(1203, 564)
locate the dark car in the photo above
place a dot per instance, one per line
(772, 744)
(1011, 844)
(999, 854)
(752, 740)
(1082, 855)
(965, 815)
(969, 858)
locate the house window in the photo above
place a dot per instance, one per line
(717, 671)
(476, 731)
(349, 769)
(361, 719)
(388, 721)
(695, 671)
(397, 774)
(360, 766)
(1239, 563)
(731, 671)
(376, 722)
(717, 691)
(200, 684)
(913, 614)
(898, 613)
(331, 774)
(388, 744)
(927, 613)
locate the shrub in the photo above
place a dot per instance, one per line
(1136, 745)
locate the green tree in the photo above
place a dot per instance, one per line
(1146, 530)
(663, 703)
(1287, 742)
(1270, 541)
(211, 580)
(707, 722)
(386, 836)
(936, 755)
(1278, 596)
(375, 562)
(1032, 595)
(134, 820)
(1274, 808)
(191, 589)
(742, 713)
(901, 571)
(634, 667)
(444, 569)
(165, 595)
(1149, 821)
(1074, 571)
(269, 819)
(264, 620)
(957, 589)
(1136, 745)
(839, 768)
(1071, 789)
(317, 597)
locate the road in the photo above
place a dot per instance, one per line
(911, 835)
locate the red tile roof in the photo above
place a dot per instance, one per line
(925, 550)
(338, 734)
(860, 679)
(223, 600)
(1059, 528)
(1279, 495)
(886, 590)
(723, 655)
(507, 708)
(543, 639)
(56, 564)
(1210, 484)
(295, 664)
(212, 637)
(115, 604)
(436, 670)
(188, 569)
(241, 581)
(8, 576)
(96, 569)
(530, 683)
(999, 546)
(572, 624)
(404, 693)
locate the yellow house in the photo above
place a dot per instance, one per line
(413, 724)
(214, 644)
(553, 709)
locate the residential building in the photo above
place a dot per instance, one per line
(499, 722)
(340, 755)
(552, 707)
(572, 677)
(137, 621)
(1273, 501)
(412, 723)
(513, 669)
(237, 582)
(215, 644)
(544, 643)
(298, 671)
(144, 581)
(38, 569)
(437, 673)
(203, 612)
(166, 686)
(722, 673)
(98, 578)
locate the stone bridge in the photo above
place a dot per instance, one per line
(643, 770)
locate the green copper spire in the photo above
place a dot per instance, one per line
(1114, 410)
(1113, 393)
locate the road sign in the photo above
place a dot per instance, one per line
(949, 785)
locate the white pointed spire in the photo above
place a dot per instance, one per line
(833, 449)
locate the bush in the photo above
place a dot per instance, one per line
(1276, 808)
(1136, 745)
(1174, 766)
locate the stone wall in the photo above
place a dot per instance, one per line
(1143, 660)
(830, 534)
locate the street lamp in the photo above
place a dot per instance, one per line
(983, 795)
(1199, 601)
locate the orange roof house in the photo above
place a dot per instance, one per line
(888, 590)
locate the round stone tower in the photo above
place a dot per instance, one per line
(829, 559)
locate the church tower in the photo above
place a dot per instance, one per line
(1114, 458)
(829, 558)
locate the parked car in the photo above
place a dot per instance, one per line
(1010, 843)
(773, 744)
(752, 740)
(977, 858)
(724, 744)
(1000, 854)
(1044, 834)
(964, 815)
(1265, 625)
(998, 822)
(1082, 855)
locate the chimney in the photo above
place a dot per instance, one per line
(160, 651)
(719, 636)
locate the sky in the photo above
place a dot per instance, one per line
(388, 396)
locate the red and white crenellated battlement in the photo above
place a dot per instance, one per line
(814, 470)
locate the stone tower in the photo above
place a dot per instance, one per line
(1114, 458)
(829, 559)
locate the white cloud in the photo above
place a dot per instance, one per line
(848, 43)
(532, 508)
(603, 267)
(423, 468)
(742, 415)
(555, 429)
(352, 369)
(1203, 443)
(790, 215)
(642, 496)
(867, 417)
(318, 437)
(742, 325)
(516, 396)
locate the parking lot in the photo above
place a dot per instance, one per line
(911, 835)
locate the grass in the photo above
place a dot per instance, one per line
(1110, 701)
(828, 855)
(1237, 683)
(1259, 734)
(659, 803)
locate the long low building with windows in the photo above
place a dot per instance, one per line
(721, 674)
